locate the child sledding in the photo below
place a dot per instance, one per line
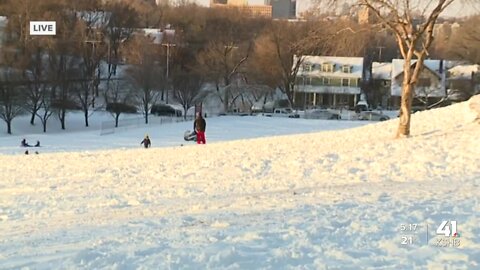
(24, 143)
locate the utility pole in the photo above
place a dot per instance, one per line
(380, 53)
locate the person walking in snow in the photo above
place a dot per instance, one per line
(146, 142)
(200, 127)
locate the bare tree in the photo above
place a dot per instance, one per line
(34, 64)
(414, 35)
(10, 96)
(279, 53)
(229, 49)
(45, 107)
(187, 86)
(121, 23)
(465, 43)
(118, 97)
(91, 49)
(145, 74)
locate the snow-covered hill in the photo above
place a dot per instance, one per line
(328, 200)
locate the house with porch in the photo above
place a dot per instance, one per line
(328, 81)
(431, 85)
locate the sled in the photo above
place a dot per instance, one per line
(190, 136)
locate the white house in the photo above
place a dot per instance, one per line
(431, 85)
(329, 81)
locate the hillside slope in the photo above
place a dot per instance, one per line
(333, 200)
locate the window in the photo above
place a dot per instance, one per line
(325, 81)
(424, 82)
(345, 82)
(307, 67)
(327, 67)
(347, 69)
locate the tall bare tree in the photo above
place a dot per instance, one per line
(145, 74)
(280, 50)
(122, 20)
(412, 22)
(229, 49)
(119, 97)
(187, 85)
(34, 65)
(45, 107)
(465, 43)
(10, 95)
(62, 66)
(90, 48)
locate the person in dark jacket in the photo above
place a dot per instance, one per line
(37, 144)
(146, 142)
(24, 143)
(200, 127)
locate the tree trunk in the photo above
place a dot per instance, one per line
(62, 118)
(44, 124)
(85, 113)
(405, 107)
(145, 109)
(116, 119)
(9, 127)
(225, 100)
(32, 118)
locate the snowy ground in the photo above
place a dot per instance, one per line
(327, 200)
(129, 134)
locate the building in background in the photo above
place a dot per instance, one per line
(243, 6)
(366, 16)
(430, 87)
(283, 9)
(229, 2)
(329, 81)
(237, 2)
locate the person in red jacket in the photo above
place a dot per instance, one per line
(200, 127)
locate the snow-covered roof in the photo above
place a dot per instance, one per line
(436, 66)
(382, 70)
(98, 19)
(159, 36)
(463, 71)
(355, 62)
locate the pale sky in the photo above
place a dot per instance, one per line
(457, 9)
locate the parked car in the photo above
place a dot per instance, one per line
(372, 116)
(361, 106)
(165, 110)
(322, 114)
(120, 107)
(269, 107)
(283, 112)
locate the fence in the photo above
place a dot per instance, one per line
(108, 127)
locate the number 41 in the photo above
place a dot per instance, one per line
(444, 228)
